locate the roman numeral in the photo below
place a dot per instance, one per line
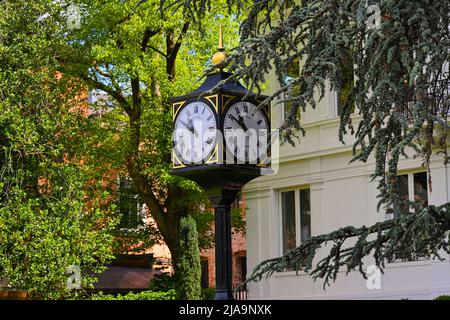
(245, 108)
(188, 113)
(237, 110)
(195, 109)
(209, 118)
(203, 110)
(259, 122)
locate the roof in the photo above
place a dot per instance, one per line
(117, 277)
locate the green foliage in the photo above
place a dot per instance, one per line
(442, 297)
(189, 265)
(135, 55)
(164, 282)
(46, 224)
(138, 54)
(38, 244)
(208, 293)
(186, 281)
(144, 295)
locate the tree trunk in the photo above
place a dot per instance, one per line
(166, 217)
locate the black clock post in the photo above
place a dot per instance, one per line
(221, 178)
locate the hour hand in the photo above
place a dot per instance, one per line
(185, 124)
(234, 118)
(189, 127)
(240, 121)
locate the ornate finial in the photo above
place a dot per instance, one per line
(220, 55)
(220, 47)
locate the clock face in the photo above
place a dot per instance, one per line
(245, 130)
(195, 132)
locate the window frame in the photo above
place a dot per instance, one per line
(140, 217)
(204, 277)
(411, 192)
(297, 206)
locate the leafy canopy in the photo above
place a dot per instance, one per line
(49, 219)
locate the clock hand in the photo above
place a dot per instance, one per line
(189, 127)
(242, 123)
(234, 118)
(185, 124)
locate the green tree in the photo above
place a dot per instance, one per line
(139, 53)
(46, 225)
(401, 90)
(189, 265)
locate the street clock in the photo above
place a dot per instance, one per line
(221, 140)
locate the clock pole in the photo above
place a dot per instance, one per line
(223, 243)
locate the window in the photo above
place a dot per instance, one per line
(241, 268)
(411, 187)
(128, 204)
(347, 82)
(205, 273)
(296, 218)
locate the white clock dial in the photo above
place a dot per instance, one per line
(194, 132)
(245, 129)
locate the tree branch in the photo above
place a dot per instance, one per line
(148, 34)
(173, 48)
(118, 96)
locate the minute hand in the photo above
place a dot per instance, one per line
(240, 122)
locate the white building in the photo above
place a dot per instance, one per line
(316, 191)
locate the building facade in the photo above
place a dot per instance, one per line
(316, 191)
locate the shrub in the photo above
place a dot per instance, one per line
(163, 282)
(189, 267)
(208, 293)
(443, 297)
(144, 295)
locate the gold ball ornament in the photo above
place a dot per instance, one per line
(218, 57)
